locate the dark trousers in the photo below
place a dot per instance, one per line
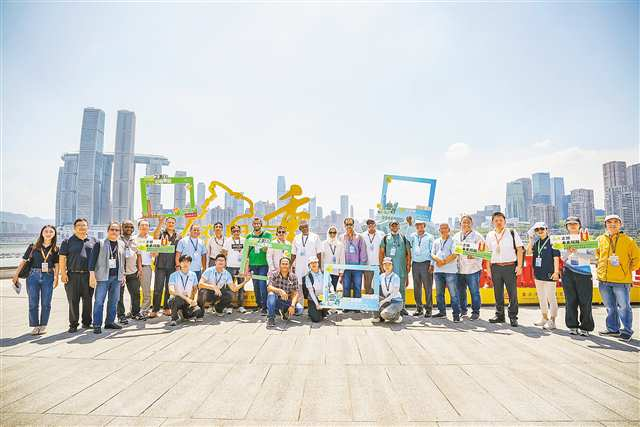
(315, 314)
(133, 286)
(505, 276)
(422, 278)
(78, 288)
(334, 281)
(161, 283)
(219, 302)
(178, 304)
(578, 292)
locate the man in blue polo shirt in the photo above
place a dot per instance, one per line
(195, 248)
(421, 268)
(445, 272)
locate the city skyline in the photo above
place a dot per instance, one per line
(472, 96)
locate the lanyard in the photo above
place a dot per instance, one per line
(304, 242)
(466, 235)
(195, 247)
(184, 280)
(236, 243)
(215, 239)
(333, 249)
(543, 246)
(217, 277)
(501, 237)
(613, 244)
(113, 250)
(387, 283)
(444, 244)
(395, 239)
(48, 253)
(420, 240)
(371, 239)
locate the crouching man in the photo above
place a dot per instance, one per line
(390, 298)
(217, 286)
(183, 287)
(282, 294)
(312, 285)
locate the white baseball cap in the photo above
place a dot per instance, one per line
(612, 216)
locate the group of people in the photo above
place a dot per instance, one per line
(198, 274)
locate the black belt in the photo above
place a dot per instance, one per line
(78, 272)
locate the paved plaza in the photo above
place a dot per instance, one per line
(233, 371)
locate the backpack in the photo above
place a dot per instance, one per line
(305, 291)
(513, 239)
(404, 239)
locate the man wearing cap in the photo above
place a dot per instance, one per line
(372, 239)
(355, 253)
(445, 272)
(546, 272)
(305, 245)
(391, 301)
(469, 268)
(577, 283)
(397, 247)
(421, 268)
(312, 285)
(617, 257)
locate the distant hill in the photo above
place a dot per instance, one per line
(16, 223)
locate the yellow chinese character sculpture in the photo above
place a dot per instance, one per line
(290, 215)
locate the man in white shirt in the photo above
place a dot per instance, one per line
(216, 243)
(194, 247)
(445, 272)
(372, 239)
(147, 260)
(305, 245)
(507, 254)
(232, 249)
(469, 268)
(275, 255)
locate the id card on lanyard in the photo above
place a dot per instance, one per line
(113, 254)
(45, 265)
(539, 250)
(304, 245)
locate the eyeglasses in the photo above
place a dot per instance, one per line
(349, 225)
(332, 232)
(539, 229)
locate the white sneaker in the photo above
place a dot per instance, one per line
(43, 330)
(540, 322)
(219, 314)
(242, 310)
(376, 320)
(584, 333)
(398, 320)
(228, 310)
(36, 331)
(550, 325)
(573, 331)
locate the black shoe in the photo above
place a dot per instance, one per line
(418, 312)
(73, 329)
(624, 337)
(112, 326)
(271, 323)
(514, 322)
(475, 316)
(85, 326)
(263, 312)
(404, 312)
(284, 314)
(97, 330)
(439, 314)
(456, 319)
(607, 333)
(123, 320)
(427, 313)
(496, 320)
(141, 317)
(463, 314)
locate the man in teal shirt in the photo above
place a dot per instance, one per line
(395, 246)
(258, 265)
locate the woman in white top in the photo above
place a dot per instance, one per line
(390, 298)
(333, 253)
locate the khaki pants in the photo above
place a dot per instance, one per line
(547, 297)
(368, 280)
(145, 288)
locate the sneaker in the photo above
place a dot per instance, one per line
(607, 333)
(540, 322)
(456, 319)
(475, 316)
(573, 331)
(625, 337)
(496, 319)
(173, 323)
(43, 330)
(198, 319)
(112, 326)
(514, 323)
(219, 314)
(418, 312)
(427, 314)
(72, 329)
(463, 314)
(86, 326)
(376, 320)
(97, 330)
(439, 314)
(403, 312)
(140, 317)
(242, 310)
(271, 323)
(584, 333)
(263, 312)
(550, 325)
(284, 314)
(35, 330)
(228, 310)
(398, 320)
(123, 320)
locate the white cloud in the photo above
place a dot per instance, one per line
(458, 151)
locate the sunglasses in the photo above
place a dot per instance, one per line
(332, 232)
(349, 225)
(281, 232)
(539, 229)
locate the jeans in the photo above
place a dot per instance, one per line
(504, 276)
(260, 286)
(334, 281)
(578, 292)
(352, 281)
(78, 288)
(39, 288)
(422, 278)
(616, 298)
(447, 280)
(274, 302)
(133, 286)
(472, 281)
(111, 288)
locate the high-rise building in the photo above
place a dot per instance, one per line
(66, 197)
(528, 195)
(541, 186)
(201, 194)
(565, 205)
(91, 166)
(313, 207)
(320, 212)
(557, 195)
(344, 206)
(372, 214)
(124, 166)
(633, 176)
(621, 192)
(180, 198)
(351, 212)
(582, 206)
(280, 191)
(516, 201)
(614, 174)
(543, 212)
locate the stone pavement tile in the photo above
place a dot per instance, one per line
(620, 375)
(326, 327)
(197, 382)
(500, 350)
(242, 329)
(420, 398)
(454, 344)
(177, 350)
(619, 423)
(208, 351)
(605, 394)
(408, 351)
(90, 345)
(136, 422)
(163, 341)
(342, 350)
(7, 419)
(73, 420)
(520, 424)
(234, 394)
(14, 368)
(372, 396)
(97, 394)
(565, 397)
(243, 350)
(279, 398)
(326, 396)
(133, 400)
(296, 326)
(558, 345)
(513, 395)
(468, 398)
(276, 349)
(63, 388)
(33, 345)
(375, 350)
(135, 344)
(610, 347)
(7, 362)
(181, 422)
(308, 350)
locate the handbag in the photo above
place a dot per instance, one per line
(26, 267)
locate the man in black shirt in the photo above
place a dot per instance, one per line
(165, 265)
(74, 255)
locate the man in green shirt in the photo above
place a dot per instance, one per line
(395, 246)
(258, 265)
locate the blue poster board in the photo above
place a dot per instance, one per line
(335, 300)
(389, 209)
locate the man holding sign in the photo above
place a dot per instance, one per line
(469, 268)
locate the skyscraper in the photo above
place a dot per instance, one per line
(528, 195)
(543, 212)
(582, 206)
(344, 206)
(124, 166)
(557, 195)
(280, 190)
(180, 198)
(614, 174)
(351, 212)
(621, 192)
(67, 198)
(200, 195)
(541, 188)
(516, 202)
(633, 176)
(91, 166)
(313, 209)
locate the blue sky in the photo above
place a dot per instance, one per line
(332, 96)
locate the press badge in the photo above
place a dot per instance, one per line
(392, 252)
(538, 262)
(302, 252)
(614, 260)
(112, 263)
(128, 253)
(352, 249)
(45, 267)
(334, 260)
